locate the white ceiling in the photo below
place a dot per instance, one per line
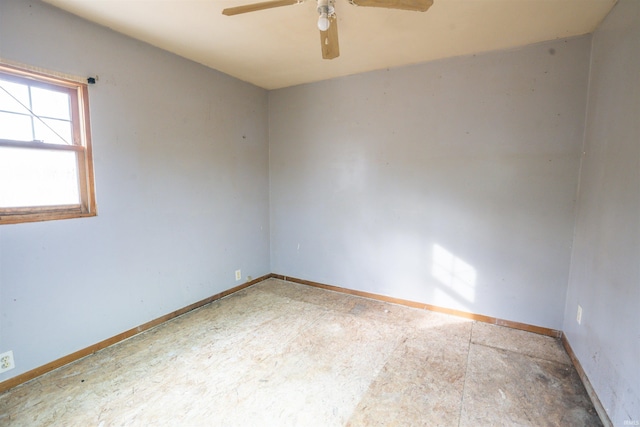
(280, 47)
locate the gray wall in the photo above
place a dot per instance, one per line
(605, 266)
(450, 183)
(181, 164)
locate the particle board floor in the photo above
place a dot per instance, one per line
(283, 354)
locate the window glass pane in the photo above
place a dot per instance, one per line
(19, 92)
(53, 131)
(49, 103)
(31, 177)
(16, 127)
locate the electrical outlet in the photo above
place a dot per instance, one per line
(6, 361)
(579, 315)
(238, 275)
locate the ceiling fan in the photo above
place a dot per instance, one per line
(328, 22)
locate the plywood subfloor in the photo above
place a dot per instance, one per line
(284, 354)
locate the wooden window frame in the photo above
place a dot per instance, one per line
(81, 145)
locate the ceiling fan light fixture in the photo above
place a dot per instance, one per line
(326, 10)
(323, 21)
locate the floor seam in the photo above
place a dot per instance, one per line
(466, 373)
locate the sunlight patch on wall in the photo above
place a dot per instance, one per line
(458, 276)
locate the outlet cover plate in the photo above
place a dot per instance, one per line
(6, 361)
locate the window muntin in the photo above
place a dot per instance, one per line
(32, 113)
(46, 169)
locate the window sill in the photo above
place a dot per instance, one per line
(18, 218)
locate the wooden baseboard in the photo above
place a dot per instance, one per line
(478, 317)
(29, 375)
(587, 384)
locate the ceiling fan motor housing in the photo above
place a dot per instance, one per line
(326, 6)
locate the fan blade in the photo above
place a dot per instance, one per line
(415, 5)
(258, 6)
(329, 39)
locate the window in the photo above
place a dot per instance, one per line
(46, 168)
